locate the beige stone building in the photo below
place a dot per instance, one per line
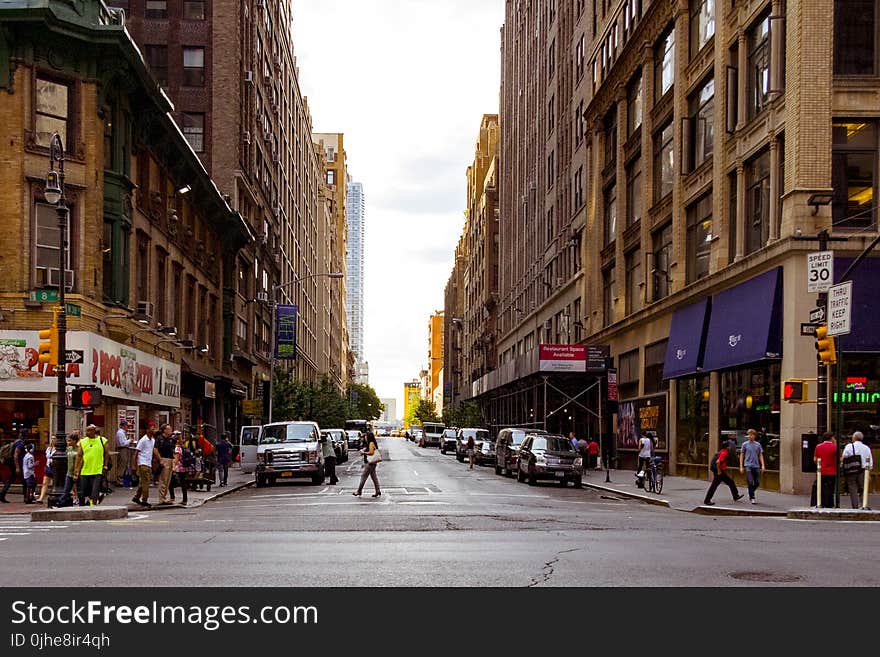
(688, 149)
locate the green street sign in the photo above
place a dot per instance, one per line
(44, 295)
(72, 310)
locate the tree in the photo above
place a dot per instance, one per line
(363, 402)
(424, 411)
(301, 400)
(464, 414)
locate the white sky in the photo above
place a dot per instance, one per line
(407, 82)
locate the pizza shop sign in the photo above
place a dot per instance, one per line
(119, 370)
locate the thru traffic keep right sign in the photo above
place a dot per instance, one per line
(839, 305)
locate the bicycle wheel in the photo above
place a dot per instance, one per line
(649, 481)
(658, 482)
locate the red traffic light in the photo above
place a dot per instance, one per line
(794, 391)
(86, 397)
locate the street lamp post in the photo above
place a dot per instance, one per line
(54, 194)
(274, 305)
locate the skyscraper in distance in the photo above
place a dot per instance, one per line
(355, 269)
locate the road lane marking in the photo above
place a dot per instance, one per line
(415, 473)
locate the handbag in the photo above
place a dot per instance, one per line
(375, 457)
(852, 464)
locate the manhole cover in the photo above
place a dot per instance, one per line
(777, 578)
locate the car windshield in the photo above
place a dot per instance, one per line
(552, 444)
(516, 437)
(353, 434)
(286, 433)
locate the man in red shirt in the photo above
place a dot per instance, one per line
(721, 476)
(827, 452)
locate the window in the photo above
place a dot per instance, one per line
(628, 374)
(699, 238)
(579, 124)
(701, 124)
(551, 227)
(551, 114)
(731, 217)
(551, 168)
(702, 24)
(194, 131)
(194, 67)
(579, 188)
(577, 320)
(579, 58)
(47, 240)
(194, 10)
(757, 202)
(142, 269)
(610, 124)
(634, 106)
(633, 281)
(551, 59)
(156, 9)
(855, 37)
(157, 60)
(661, 255)
(52, 111)
(655, 356)
(609, 293)
(664, 162)
(664, 63)
(610, 214)
(331, 176)
(854, 174)
(161, 286)
(759, 66)
(633, 193)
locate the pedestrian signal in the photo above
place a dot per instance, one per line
(48, 348)
(86, 397)
(825, 351)
(794, 391)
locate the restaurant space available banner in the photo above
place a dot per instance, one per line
(643, 416)
(563, 357)
(285, 332)
(119, 370)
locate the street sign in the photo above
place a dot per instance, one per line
(817, 315)
(808, 329)
(44, 295)
(820, 271)
(839, 307)
(75, 356)
(72, 310)
(596, 355)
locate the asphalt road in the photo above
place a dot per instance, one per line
(437, 523)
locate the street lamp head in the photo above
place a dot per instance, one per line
(52, 191)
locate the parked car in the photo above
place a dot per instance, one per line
(431, 433)
(507, 448)
(480, 437)
(340, 443)
(549, 457)
(447, 440)
(354, 438)
(287, 450)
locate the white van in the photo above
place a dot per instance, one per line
(247, 448)
(287, 450)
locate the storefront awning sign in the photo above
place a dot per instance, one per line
(562, 357)
(684, 351)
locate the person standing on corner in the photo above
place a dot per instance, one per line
(90, 462)
(14, 464)
(178, 476)
(70, 488)
(165, 447)
(574, 441)
(123, 459)
(371, 453)
(145, 451)
(855, 480)
(329, 458)
(28, 482)
(721, 476)
(826, 452)
(47, 470)
(751, 461)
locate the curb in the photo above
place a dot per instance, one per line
(656, 501)
(195, 503)
(727, 511)
(866, 515)
(68, 514)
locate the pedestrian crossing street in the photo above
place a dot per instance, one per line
(12, 528)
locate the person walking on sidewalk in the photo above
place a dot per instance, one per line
(329, 453)
(70, 488)
(371, 453)
(47, 470)
(826, 453)
(751, 461)
(13, 463)
(146, 449)
(90, 462)
(721, 476)
(28, 481)
(855, 479)
(224, 457)
(470, 451)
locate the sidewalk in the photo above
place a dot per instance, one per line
(122, 496)
(684, 494)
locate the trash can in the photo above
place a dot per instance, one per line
(808, 446)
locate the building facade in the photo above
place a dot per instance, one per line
(435, 354)
(453, 387)
(705, 147)
(149, 238)
(355, 259)
(412, 393)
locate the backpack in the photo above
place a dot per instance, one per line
(713, 464)
(187, 458)
(7, 451)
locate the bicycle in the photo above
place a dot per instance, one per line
(654, 475)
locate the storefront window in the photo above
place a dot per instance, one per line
(692, 421)
(859, 398)
(750, 400)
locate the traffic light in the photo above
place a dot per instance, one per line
(86, 397)
(49, 343)
(825, 351)
(794, 391)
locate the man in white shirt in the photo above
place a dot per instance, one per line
(145, 451)
(646, 448)
(123, 446)
(855, 480)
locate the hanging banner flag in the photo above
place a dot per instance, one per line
(285, 332)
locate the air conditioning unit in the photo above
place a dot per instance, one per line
(263, 296)
(145, 309)
(249, 77)
(54, 279)
(246, 136)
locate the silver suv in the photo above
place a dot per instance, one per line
(287, 450)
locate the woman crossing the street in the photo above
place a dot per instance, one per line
(373, 457)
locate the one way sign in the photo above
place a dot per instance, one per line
(817, 315)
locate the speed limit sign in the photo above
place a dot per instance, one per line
(820, 271)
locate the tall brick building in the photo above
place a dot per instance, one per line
(658, 207)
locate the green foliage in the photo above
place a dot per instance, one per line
(464, 414)
(363, 402)
(424, 411)
(320, 402)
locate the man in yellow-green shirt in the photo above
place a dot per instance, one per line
(91, 459)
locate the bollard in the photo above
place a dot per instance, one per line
(865, 489)
(819, 483)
